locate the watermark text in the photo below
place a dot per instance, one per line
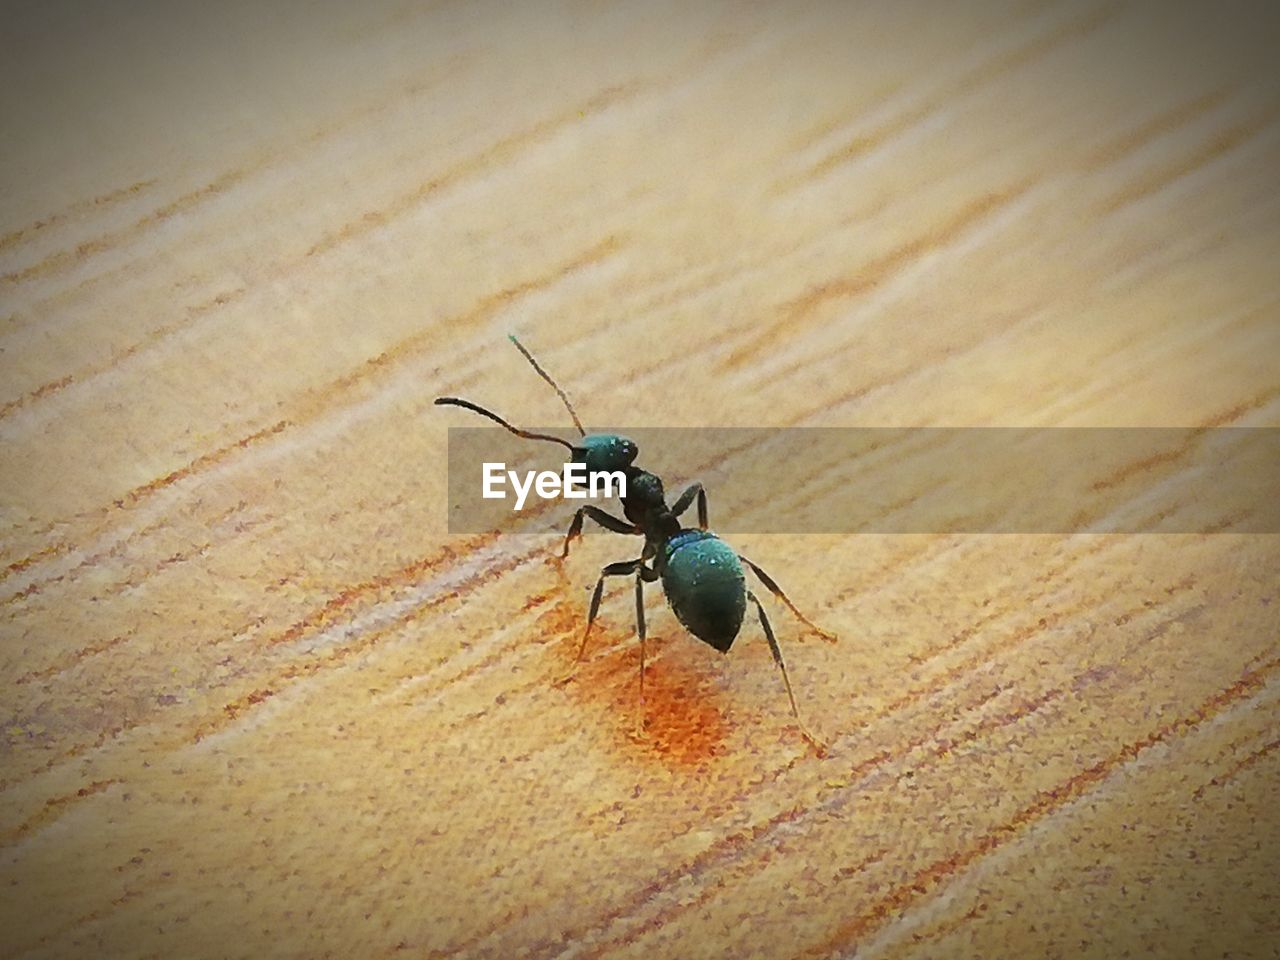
(573, 483)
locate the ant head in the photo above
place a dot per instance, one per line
(605, 451)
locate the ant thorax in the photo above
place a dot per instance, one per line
(645, 489)
(646, 506)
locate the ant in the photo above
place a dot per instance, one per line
(701, 575)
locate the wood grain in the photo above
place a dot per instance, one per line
(258, 702)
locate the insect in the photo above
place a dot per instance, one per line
(701, 575)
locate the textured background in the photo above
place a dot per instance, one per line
(255, 701)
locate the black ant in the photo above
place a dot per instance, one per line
(701, 575)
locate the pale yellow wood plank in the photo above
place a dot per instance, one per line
(257, 701)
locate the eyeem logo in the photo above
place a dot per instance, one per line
(548, 484)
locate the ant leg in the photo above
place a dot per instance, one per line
(776, 590)
(605, 520)
(619, 569)
(786, 681)
(640, 630)
(643, 574)
(686, 498)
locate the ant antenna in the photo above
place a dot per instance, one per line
(547, 377)
(527, 434)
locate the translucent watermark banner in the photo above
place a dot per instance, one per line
(899, 480)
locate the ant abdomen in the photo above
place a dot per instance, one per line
(706, 586)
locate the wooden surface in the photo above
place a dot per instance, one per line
(257, 701)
